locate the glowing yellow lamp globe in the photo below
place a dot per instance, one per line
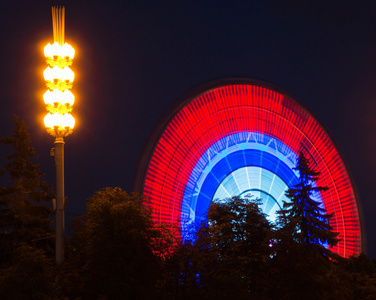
(67, 98)
(62, 122)
(51, 74)
(52, 120)
(51, 97)
(48, 51)
(67, 121)
(67, 74)
(67, 51)
(53, 50)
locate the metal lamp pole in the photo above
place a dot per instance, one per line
(60, 205)
(59, 103)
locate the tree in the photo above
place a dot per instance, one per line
(304, 218)
(229, 259)
(117, 249)
(23, 216)
(362, 272)
(30, 276)
(302, 266)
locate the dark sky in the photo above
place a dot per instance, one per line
(135, 60)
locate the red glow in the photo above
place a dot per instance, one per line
(246, 107)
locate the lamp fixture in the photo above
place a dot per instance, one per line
(59, 80)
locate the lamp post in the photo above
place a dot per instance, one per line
(59, 103)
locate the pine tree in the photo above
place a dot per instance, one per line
(305, 218)
(301, 265)
(23, 217)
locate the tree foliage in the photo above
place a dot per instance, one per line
(301, 261)
(362, 276)
(26, 264)
(24, 215)
(230, 256)
(117, 248)
(30, 276)
(303, 218)
(117, 252)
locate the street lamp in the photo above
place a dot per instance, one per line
(59, 104)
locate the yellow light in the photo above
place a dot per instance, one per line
(56, 49)
(67, 51)
(67, 97)
(51, 74)
(47, 73)
(53, 50)
(52, 97)
(48, 51)
(58, 121)
(55, 73)
(67, 121)
(67, 74)
(52, 120)
(59, 79)
(56, 96)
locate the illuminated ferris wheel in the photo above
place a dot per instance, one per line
(242, 138)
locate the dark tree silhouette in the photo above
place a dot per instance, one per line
(362, 273)
(229, 259)
(304, 219)
(302, 265)
(24, 217)
(30, 276)
(117, 249)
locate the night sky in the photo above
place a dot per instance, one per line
(135, 61)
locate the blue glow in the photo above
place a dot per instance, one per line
(236, 164)
(257, 182)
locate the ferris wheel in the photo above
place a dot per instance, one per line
(242, 138)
